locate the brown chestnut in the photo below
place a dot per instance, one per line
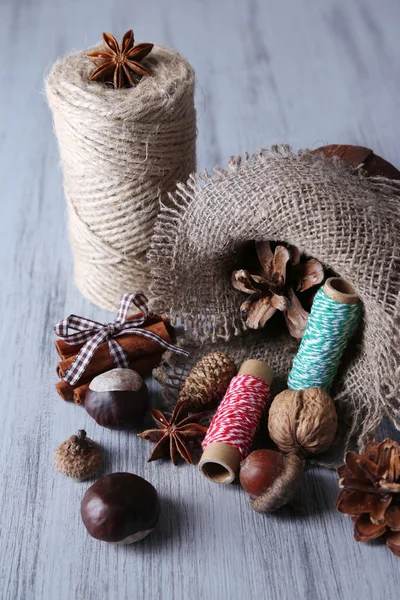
(117, 399)
(259, 470)
(121, 508)
(271, 478)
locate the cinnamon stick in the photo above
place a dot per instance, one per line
(68, 393)
(79, 394)
(134, 345)
(142, 365)
(65, 390)
(65, 350)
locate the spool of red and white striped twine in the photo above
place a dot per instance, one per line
(238, 416)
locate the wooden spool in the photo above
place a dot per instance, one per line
(220, 462)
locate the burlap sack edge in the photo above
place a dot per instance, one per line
(163, 248)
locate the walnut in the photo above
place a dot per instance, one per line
(303, 421)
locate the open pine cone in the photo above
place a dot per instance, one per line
(284, 276)
(371, 492)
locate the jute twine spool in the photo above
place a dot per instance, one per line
(122, 151)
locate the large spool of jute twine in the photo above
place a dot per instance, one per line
(122, 151)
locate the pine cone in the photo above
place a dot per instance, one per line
(371, 492)
(282, 274)
(208, 381)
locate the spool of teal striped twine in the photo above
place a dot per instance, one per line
(334, 314)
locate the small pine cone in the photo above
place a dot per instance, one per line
(207, 382)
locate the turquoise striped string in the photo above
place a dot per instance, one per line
(329, 328)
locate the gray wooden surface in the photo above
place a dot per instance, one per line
(305, 72)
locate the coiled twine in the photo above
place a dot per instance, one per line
(238, 416)
(329, 328)
(121, 151)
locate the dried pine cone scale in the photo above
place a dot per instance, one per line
(283, 276)
(371, 492)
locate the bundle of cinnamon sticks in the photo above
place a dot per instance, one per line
(143, 355)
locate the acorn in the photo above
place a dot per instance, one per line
(79, 457)
(271, 478)
(117, 399)
(259, 471)
(121, 508)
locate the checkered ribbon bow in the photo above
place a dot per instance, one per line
(92, 334)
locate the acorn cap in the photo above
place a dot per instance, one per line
(78, 457)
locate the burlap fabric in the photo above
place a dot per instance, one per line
(331, 212)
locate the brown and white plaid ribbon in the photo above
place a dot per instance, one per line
(92, 334)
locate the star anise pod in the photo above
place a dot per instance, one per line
(283, 276)
(172, 435)
(371, 492)
(120, 63)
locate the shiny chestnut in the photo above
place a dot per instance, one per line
(118, 399)
(121, 508)
(259, 470)
(271, 478)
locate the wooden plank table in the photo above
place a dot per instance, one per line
(306, 73)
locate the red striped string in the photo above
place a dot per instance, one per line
(238, 416)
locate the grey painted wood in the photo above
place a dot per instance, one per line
(306, 73)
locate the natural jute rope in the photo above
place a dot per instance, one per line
(122, 151)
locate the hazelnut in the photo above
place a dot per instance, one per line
(303, 421)
(117, 399)
(121, 508)
(271, 479)
(78, 457)
(259, 470)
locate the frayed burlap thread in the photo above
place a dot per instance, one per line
(121, 151)
(347, 221)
